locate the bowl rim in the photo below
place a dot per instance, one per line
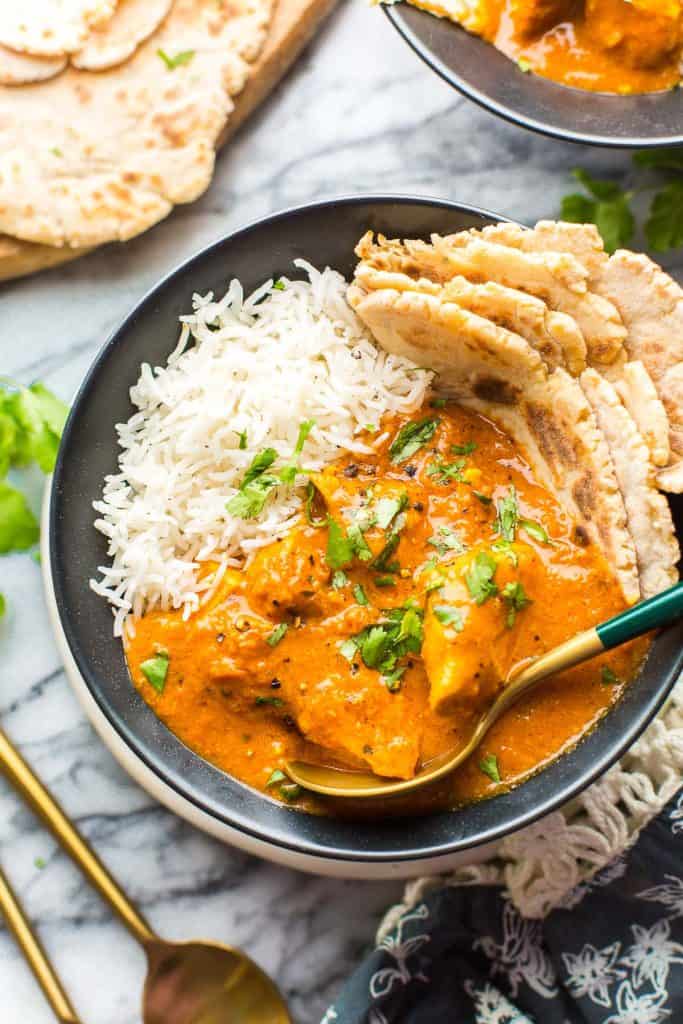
(566, 789)
(393, 12)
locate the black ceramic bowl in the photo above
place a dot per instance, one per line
(324, 233)
(488, 77)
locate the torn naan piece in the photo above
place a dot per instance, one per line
(648, 513)
(636, 389)
(651, 306)
(555, 336)
(497, 373)
(117, 39)
(44, 28)
(556, 277)
(95, 158)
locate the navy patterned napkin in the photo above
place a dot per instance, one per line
(612, 954)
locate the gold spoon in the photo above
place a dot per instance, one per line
(187, 982)
(651, 614)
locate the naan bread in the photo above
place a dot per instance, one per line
(47, 28)
(648, 513)
(22, 68)
(119, 38)
(651, 306)
(495, 372)
(93, 158)
(636, 389)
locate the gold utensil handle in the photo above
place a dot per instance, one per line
(36, 956)
(32, 790)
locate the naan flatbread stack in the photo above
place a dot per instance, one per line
(111, 110)
(577, 355)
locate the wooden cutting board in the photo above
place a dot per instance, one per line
(294, 24)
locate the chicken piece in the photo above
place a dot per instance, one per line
(470, 626)
(287, 574)
(645, 33)
(357, 717)
(534, 17)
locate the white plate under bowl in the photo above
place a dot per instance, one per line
(176, 803)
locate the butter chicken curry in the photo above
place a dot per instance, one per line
(374, 632)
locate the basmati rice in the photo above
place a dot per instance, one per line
(260, 365)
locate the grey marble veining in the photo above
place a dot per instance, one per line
(359, 113)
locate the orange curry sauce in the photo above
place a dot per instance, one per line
(614, 46)
(246, 702)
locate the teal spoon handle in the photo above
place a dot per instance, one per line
(657, 611)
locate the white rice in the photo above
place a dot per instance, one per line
(261, 365)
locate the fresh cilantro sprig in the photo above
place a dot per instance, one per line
(383, 644)
(411, 437)
(31, 423)
(257, 484)
(607, 205)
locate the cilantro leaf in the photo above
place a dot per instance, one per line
(507, 518)
(274, 638)
(463, 449)
(288, 472)
(176, 60)
(535, 530)
(381, 562)
(504, 547)
(360, 595)
(516, 599)
(447, 540)
(387, 509)
(3, 604)
(479, 577)
(607, 206)
(340, 550)
(667, 159)
(489, 766)
(31, 424)
(607, 676)
(276, 777)
(411, 437)
(255, 488)
(359, 545)
(448, 616)
(339, 579)
(18, 526)
(383, 644)
(664, 226)
(446, 471)
(155, 670)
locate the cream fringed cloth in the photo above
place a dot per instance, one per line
(548, 864)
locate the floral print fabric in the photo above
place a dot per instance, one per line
(612, 954)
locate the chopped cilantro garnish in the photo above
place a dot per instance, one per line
(534, 530)
(339, 579)
(272, 702)
(504, 547)
(370, 427)
(446, 471)
(288, 472)
(18, 526)
(176, 60)
(381, 562)
(463, 449)
(489, 766)
(242, 434)
(448, 616)
(437, 403)
(411, 437)
(607, 676)
(360, 595)
(308, 507)
(392, 681)
(155, 670)
(290, 791)
(276, 777)
(339, 547)
(436, 584)
(274, 638)
(385, 581)
(387, 509)
(516, 599)
(255, 487)
(479, 577)
(447, 540)
(483, 498)
(359, 545)
(507, 518)
(383, 644)
(279, 285)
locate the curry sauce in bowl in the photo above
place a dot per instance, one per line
(341, 650)
(328, 572)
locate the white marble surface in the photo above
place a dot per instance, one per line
(360, 113)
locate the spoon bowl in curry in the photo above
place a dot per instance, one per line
(657, 611)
